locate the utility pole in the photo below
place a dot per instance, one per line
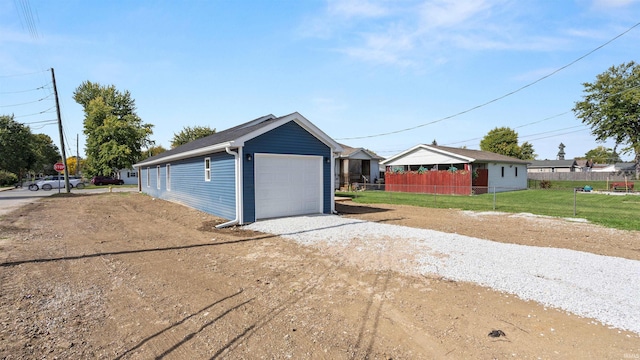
(64, 155)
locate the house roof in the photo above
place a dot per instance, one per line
(552, 163)
(465, 155)
(348, 151)
(626, 166)
(236, 136)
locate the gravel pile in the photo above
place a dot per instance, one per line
(602, 287)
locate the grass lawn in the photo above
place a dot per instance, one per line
(615, 211)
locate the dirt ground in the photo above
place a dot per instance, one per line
(124, 276)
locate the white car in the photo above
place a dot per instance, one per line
(55, 182)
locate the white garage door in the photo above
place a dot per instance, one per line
(287, 185)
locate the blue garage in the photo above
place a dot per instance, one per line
(265, 168)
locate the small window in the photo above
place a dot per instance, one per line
(148, 177)
(503, 171)
(158, 177)
(516, 171)
(168, 177)
(207, 169)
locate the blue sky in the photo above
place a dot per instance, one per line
(355, 68)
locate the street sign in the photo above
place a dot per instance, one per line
(59, 167)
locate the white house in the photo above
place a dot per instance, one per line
(493, 172)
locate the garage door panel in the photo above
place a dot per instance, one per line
(287, 185)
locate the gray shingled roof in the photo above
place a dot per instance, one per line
(552, 163)
(219, 137)
(348, 150)
(479, 155)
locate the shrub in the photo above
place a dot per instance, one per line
(7, 178)
(545, 184)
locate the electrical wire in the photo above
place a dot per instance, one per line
(26, 74)
(27, 14)
(27, 103)
(37, 122)
(22, 91)
(38, 113)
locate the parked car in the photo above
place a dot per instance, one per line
(106, 180)
(55, 182)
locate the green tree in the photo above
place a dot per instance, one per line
(611, 107)
(152, 151)
(188, 134)
(46, 154)
(527, 152)
(602, 155)
(504, 141)
(16, 155)
(115, 133)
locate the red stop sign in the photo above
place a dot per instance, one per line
(59, 167)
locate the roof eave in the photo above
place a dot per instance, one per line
(187, 154)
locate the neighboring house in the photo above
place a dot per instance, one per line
(356, 165)
(487, 171)
(553, 166)
(624, 168)
(267, 167)
(603, 168)
(130, 176)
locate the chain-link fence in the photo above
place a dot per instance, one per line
(599, 203)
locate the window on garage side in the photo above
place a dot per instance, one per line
(207, 169)
(148, 177)
(168, 177)
(503, 171)
(158, 177)
(516, 171)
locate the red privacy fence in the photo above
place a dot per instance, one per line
(430, 182)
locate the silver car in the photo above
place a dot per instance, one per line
(55, 182)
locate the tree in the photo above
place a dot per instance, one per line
(152, 151)
(527, 152)
(115, 133)
(46, 153)
(611, 107)
(602, 155)
(72, 163)
(16, 154)
(22, 152)
(504, 141)
(188, 134)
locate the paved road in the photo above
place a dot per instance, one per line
(11, 199)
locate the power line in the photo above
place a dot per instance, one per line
(38, 113)
(23, 91)
(566, 133)
(27, 14)
(37, 122)
(500, 97)
(517, 127)
(26, 74)
(27, 103)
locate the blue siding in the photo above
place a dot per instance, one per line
(188, 185)
(289, 139)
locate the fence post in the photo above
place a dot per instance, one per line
(494, 198)
(575, 192)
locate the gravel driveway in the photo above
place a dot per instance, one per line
(602, 287)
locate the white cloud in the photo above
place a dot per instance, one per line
(447, 13)
(426, 32)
